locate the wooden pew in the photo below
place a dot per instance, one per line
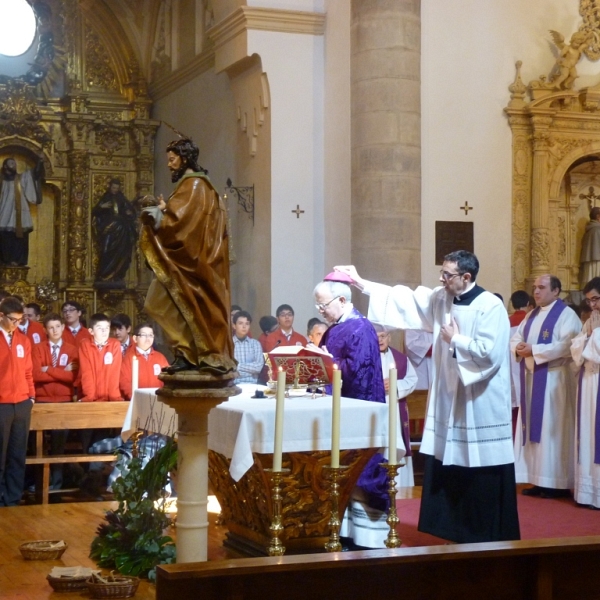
(46, 416)
(549, 569)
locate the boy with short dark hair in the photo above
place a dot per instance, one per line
(120, 328)
(17, 395)
(74, 331)
(100, 362)
(150, 362)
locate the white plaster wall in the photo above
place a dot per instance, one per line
(294, 64)
(469, 49)
(203, 109)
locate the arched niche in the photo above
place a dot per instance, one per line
(553, 135)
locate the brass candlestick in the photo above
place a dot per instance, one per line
(276, 548)
(334, 545)
(392, 540)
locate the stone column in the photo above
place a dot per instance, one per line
(540, 242)
(386, 140)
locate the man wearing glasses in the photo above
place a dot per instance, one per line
(469, 490)
(17, 395)
(585, 350)
(544, 441)
(285, 334)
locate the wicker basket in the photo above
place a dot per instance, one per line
(67, 584)
(119, 587)
(42, 549)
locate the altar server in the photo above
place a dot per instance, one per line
(585, 349)
(469, 481)
(150, 362)
(545, 436)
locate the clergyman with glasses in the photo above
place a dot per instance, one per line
(469, 492)
(352, 341)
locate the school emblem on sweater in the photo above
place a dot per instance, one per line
(108, 358)
(36, 338)
(20, 351)
(63, 360)
(156, 369)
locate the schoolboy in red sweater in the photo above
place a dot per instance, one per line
(100, 362)
(150, 361)
(32, 328)
(75, 331)
(55, 366)
(17, 395)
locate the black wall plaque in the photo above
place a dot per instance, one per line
(451, 236)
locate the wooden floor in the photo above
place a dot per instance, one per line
(76, 523)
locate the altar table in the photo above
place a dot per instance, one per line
(240, 449)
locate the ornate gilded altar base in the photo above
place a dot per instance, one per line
(246, 508)
(10, 275)
(193, 395)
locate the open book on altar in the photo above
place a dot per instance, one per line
(302, 365)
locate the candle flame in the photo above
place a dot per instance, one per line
(280, 368)
(335, 367)
(392, 366)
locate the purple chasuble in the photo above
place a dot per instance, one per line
(401, 361)
(355, 348)
(540, 374)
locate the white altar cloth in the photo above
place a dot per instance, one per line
(243, 425)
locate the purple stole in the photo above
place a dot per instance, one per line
(401, 361)
(596, 422)
(540, 374)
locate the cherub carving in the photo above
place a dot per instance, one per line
(568, 58)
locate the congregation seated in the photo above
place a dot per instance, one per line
(315, 330)
(150, 362)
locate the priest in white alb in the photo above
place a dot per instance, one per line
(585, 349)
(469, 481)
(544, 441)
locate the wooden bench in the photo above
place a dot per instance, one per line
(70, 415)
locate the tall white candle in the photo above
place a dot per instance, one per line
(135, 374)
(277, 448)
(335, 417)
(393, 418)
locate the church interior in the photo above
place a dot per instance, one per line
(377, 133)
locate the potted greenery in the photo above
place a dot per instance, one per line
(132, 539)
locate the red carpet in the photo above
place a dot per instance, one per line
(538, 517)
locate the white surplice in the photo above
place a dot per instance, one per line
(469, 411)
(406, 386)
(550, 462)
(417, 344)
(586, 351)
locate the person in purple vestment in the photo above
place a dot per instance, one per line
(352, 341)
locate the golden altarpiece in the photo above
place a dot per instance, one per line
(556, 163)
(82, 106)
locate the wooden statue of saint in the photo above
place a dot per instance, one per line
(17, 192)
(114, 222)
